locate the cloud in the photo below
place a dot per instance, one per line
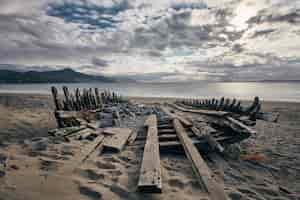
(159, 40)
(89, 15)
(100, 62)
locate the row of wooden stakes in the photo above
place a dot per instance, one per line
(227, 105)
(88, 99)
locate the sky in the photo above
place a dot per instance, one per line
(157, 40)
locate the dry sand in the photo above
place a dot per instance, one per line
(35, 168)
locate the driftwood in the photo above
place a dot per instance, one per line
(203, 173)
(253, 111)
(199, 111)
(184, 121)
(150, 177)
(117, 141)
(205, 133)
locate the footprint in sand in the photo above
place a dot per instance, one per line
(250, 193)
(176, 182)
(234, 195)
(122, 192)
(105, 165)
(90, 192)
(266, 191)
(90, 174)
(111, 169)
(48, 165)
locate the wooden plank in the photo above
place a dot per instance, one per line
(150, 176)
(66, 131)
(184, 121)
(117, 141)
(239, 127)
(199, 111)
(165, 131)
(203, 173)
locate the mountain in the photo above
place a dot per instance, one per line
(59, 76)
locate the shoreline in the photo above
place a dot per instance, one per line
(142, 98)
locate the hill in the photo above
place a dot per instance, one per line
(59, 76)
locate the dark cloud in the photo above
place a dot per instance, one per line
(172, 38)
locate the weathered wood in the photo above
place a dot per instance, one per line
(67, 101)
(203, 173)
(87, 134)
(55, 98)
(117, 141)
(232, 105)
(166, 131)
(253, 106)
(150, 176)
(65, 131)
(78, 99)
(239, 127)
(220, 106)
(199, 111)
(205, 133)
(90, 148)
(184, 121)
(98, 98)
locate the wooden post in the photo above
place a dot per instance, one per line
(226, 105)
(150, 176)
(67, 98)
(232, 105)
(220, 106)
(201, 170)
(78, 99)
(253, 106)
(56, 101)
(99, 102)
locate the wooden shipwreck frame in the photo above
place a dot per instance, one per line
(190, 126)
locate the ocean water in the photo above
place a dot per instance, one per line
(248, 90)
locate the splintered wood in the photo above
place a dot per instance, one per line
(118, 140)
(150, 176)
(203, 173)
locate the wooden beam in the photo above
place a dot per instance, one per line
(199, 111)
(117, 141)
(55, 98)
(203, 173)
(184, 121)
(239, 127)
(150, 175)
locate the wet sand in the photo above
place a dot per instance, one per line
(34, 167)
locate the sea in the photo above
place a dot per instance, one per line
(268, 91)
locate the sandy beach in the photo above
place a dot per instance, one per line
(35, 170)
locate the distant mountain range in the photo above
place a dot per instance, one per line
(59, 76)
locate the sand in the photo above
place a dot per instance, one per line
(35, 164)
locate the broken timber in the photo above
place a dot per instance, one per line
(184, 121)
(203, 173)
(213, 143)
(243, 130)
(117, 141)
(198, 111)
(150, 175)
